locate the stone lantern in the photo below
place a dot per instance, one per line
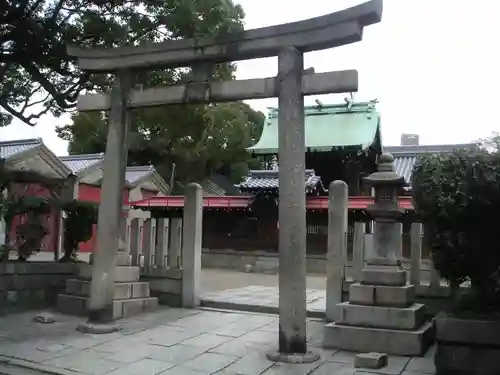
(386, 212)
(381, 315)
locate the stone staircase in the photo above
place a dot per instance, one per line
(131, 296)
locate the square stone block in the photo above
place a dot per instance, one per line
(381, 340)
(410, 317)
(122, 291)
(381, 275)
(398, 296)
(140, 290)
(370, 360)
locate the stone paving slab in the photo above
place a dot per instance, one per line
(174, 341)
(262, 299)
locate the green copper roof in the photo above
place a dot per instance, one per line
(327, 127)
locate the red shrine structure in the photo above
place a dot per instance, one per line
(343, 142)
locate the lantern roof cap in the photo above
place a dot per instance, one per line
(385, 174)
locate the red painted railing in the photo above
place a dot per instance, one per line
(313, 203)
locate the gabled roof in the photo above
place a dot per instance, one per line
(15, 152)
(8, 149)
(137, 173)
(79, 163)
(327, 127)
(405, 157)
(269, 180)
(219, 185)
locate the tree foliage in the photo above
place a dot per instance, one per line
(457, 197)
(36, 74)
(198, 139)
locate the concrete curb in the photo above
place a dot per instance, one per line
(15, 366)
(253, 308)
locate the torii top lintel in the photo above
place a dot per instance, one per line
(328, 31)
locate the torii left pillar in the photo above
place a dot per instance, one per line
(100, 303)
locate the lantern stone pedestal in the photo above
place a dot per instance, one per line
(381, 315)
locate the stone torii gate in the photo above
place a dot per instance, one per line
(289, 42)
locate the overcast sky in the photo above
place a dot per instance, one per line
(433, 65)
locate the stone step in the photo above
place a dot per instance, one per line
(406, 318)
(77, 305)
(381, 275)
(382, 295)
(136, 289)
(123, 274)
(121, 259)
(380, 340)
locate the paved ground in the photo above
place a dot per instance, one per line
(213, 280)
(174, 342)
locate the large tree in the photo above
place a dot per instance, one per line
(198, 139)
(36, 74)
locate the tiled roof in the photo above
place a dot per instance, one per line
(78, 163)
(405, 157)
(327, 127)
(269, 180)
(134, 174)
(10, 148)
(403, 165)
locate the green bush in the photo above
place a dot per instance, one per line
(80, 217)
(457, 197)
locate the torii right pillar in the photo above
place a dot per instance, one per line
(381, 315)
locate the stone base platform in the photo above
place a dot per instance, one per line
(130, 297)
(381, 316)
(365, 339)
(408, 318)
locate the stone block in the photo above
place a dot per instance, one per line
(390, 341)
(117, 309)
(122, 291)
(370, 360)
(126, 274)
(410, 317)
(78, 287)
(136, 306)
(12, 297)
(384, 276)
(72, 305)
(398, 296)
(123, 259)
(122, 274)
(166, 285)
(140, 290)
(150, 304)
(452, 329)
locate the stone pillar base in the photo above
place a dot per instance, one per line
(308, 357)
